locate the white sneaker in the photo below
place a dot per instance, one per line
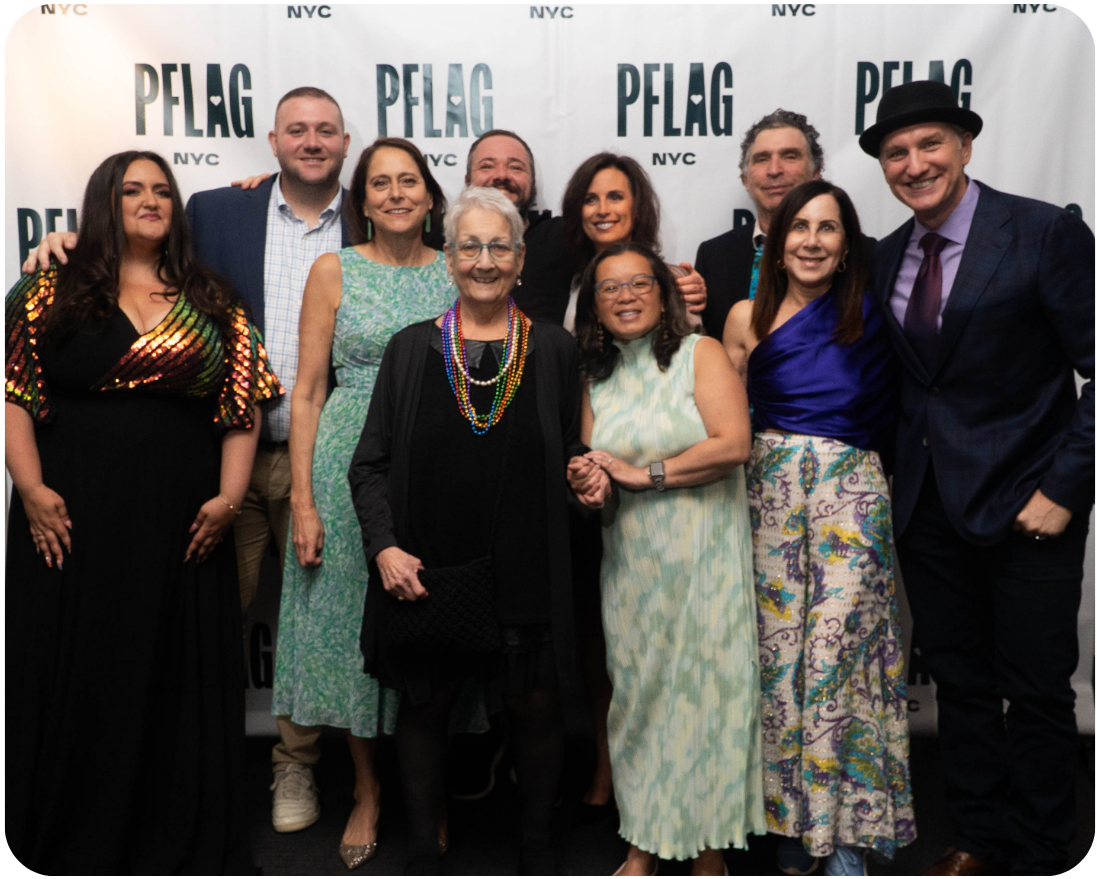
(296, 805)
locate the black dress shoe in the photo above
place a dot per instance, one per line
(473, 760)
(586, 814)
(958, 863)
(424, 864)
(537, 859)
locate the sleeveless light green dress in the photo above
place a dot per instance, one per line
(679, 613)
(318, 677)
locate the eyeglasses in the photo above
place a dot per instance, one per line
(640, 285)
(499, 251)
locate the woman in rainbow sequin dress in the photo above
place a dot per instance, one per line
(463, 456)
(132, 384)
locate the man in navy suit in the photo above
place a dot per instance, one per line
(989, 299)
(264, 241)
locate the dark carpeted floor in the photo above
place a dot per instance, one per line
(483, 833)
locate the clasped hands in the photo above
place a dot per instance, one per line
(591, 477)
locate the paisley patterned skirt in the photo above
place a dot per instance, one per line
(834, 722)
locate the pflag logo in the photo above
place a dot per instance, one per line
(165, 85)
(467, 106)
(707, 107)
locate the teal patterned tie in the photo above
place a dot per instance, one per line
(758, 248)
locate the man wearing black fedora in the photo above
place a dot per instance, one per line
(989, 299)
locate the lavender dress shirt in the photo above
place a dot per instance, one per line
(955, 229)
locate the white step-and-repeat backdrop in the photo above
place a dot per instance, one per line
(673, 86)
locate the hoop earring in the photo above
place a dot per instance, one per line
(842, 267)
(426, 227)
(780, 264)
(369, 230)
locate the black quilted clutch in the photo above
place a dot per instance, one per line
(459, 614)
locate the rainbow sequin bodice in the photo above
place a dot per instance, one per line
(187, 354)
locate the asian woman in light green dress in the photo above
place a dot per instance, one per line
(354, 301)
(667, 419)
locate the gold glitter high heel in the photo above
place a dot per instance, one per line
(356, 855)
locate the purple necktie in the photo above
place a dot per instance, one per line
(920, 323)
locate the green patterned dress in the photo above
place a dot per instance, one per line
(679, 611)
(318, 677)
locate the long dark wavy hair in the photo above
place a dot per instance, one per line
(848, 285)
(356, 217)
(87, 288)
(645, 206)
(597, 354)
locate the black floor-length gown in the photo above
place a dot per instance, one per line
(124, 669)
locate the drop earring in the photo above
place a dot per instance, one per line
(369, 230)
(426, 227)
(601, 338)
(666, 329)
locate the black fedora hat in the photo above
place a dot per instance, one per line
(914, 102)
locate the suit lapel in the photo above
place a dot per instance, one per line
(742, 261)
(987, 243)
(343, 214)
(899, 337)
(252, 243)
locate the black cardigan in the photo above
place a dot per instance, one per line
(379, 470)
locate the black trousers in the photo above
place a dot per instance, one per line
(992, 623)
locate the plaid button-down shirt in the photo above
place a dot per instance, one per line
(290, 251)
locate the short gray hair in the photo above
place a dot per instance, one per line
(783, 119)
(487, 199)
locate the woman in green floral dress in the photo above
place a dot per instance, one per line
(354, 301)
(667, 420)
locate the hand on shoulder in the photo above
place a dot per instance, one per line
(53, 245)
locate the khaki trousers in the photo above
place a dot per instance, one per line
(264, 514)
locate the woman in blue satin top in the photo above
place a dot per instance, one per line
(821, 379)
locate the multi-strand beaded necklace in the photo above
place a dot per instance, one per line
(510, 373)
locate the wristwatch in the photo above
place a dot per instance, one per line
(658, 475)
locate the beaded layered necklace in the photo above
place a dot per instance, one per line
(510, 373)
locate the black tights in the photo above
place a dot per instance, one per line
(537, 744)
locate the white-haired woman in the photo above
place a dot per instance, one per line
(463, 457)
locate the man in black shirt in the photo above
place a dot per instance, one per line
(501, 159)
(780, 151)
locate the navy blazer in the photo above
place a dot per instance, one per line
(725, 262)
(998, 408)
(229, 230)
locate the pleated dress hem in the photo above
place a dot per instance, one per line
(686, 853)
